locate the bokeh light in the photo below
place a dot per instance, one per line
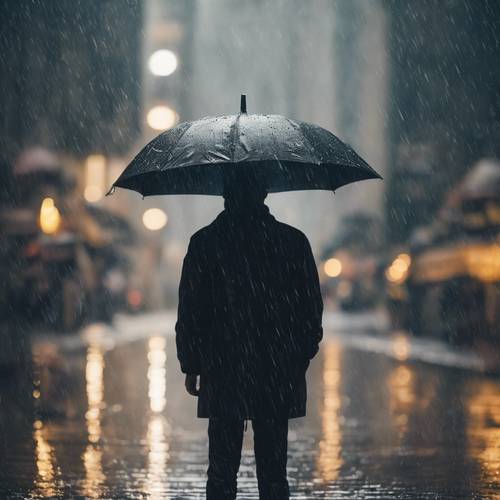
(162, 117)
(50, 218)
(154, 219)
(95, 177)
(93, 193)
(397, 272)
(162, 62)
(333, 267)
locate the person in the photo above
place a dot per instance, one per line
(249, 321)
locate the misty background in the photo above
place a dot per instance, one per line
(396, 80)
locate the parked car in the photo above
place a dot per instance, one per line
(59, 253)
(350, 265)
(451, 285)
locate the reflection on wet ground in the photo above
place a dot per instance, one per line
(113, 421)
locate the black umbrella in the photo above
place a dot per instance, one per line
(195, 157)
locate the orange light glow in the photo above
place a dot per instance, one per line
(333, 267)
(330, 447)
(157, 358)
(50, 218)
(397, 272)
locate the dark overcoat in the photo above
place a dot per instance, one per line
(249, 317)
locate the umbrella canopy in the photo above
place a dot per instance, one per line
(196, 157)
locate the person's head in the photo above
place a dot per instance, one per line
(244, 190)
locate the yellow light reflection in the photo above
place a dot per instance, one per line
(483, 429)
(92, 457)
(157, 358)
(402, 396)
(401, 347)
(158, 456)
(95, 391)
(45, 481)
(94, 476)
(50, 218)
(330, 447)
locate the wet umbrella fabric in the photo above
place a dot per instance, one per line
(195, 157)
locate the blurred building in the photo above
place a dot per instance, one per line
(322, 62)
(445, 102)
(166, 100)
(413, 86)
(70, 76)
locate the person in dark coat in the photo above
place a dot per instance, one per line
(249, 321)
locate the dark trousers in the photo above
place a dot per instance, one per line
(225, 438)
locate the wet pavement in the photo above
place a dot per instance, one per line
(105, 415)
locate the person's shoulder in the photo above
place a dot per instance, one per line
(201, 234)
(291, 232)
(204, 233)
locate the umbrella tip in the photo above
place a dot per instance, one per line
(243, 103)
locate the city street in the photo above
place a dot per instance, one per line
(260, 171)
(104, 414)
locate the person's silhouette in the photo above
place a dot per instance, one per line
(249, 321)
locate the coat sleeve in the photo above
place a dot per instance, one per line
(312, 303)
(189, 326)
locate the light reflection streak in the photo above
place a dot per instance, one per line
(330, 448)
(483, 429)
(157, 457)
(92, 457)
(157, 358)
(95, 391)
(94, 476)
(45, 482)
(158, 428)
(401, 347)
(402, 396)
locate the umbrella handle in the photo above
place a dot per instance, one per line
(243, 104)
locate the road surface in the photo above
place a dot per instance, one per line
(104, 414)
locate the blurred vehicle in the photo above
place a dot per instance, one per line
(448, 284)
(39, 248)
(56, 256)
(113, 264)
(350, 265)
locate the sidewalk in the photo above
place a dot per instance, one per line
(368, 331)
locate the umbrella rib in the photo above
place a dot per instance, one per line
(234, 134)
(180, 137)
(296, 126)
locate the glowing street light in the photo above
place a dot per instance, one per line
(162, 62)
(162, 117)
(50, 218)
(397, 272)
(154, 219)
(333, 267)
(95, 178)
(93, 193)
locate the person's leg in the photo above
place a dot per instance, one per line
(225, 438)
(270, 443)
